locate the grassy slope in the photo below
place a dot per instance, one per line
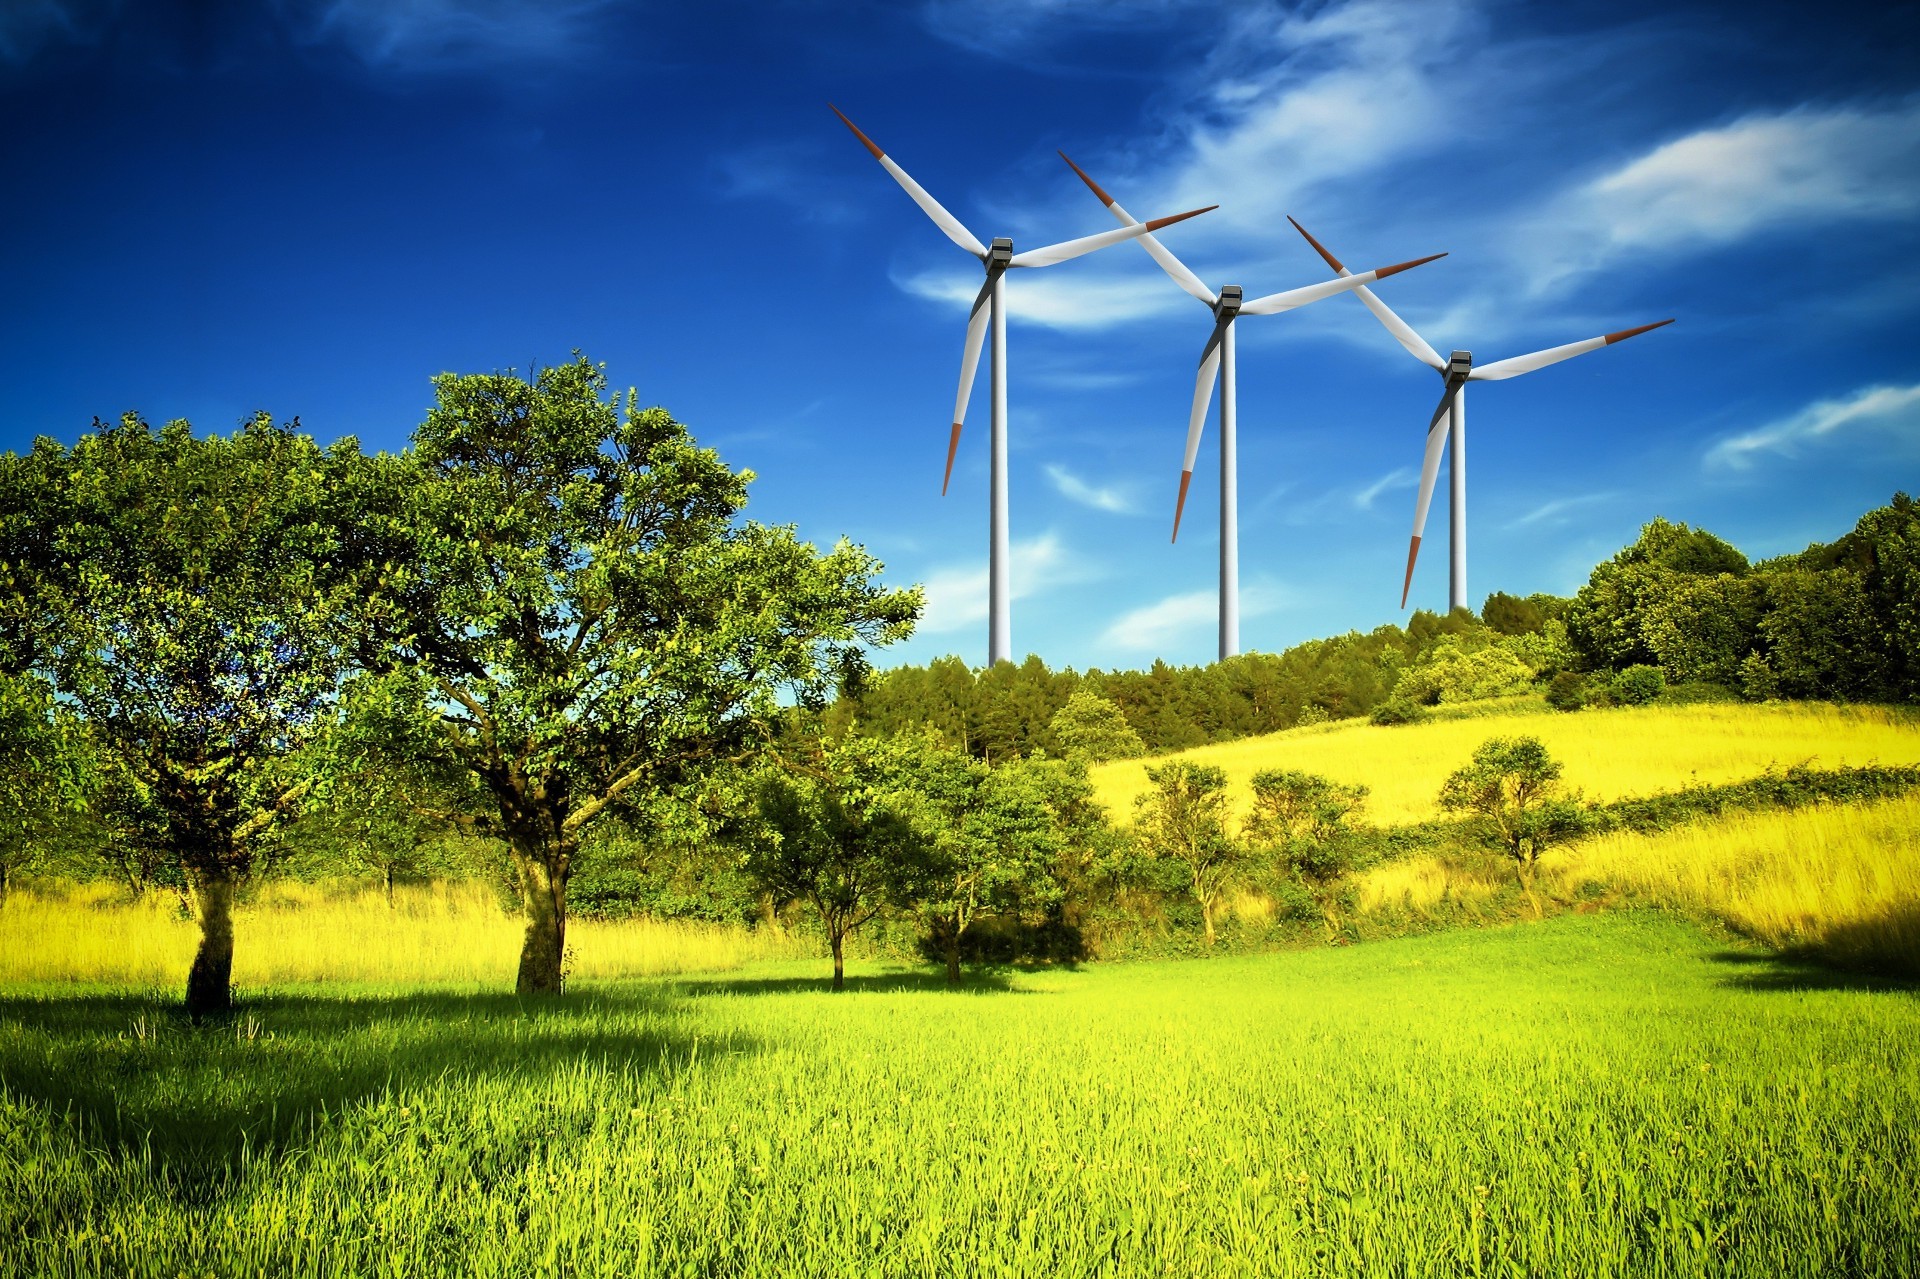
(1609, 754)
(1591, 1095)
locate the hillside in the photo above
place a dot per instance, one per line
(1609, 754)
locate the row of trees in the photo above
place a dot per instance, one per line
(548, 608)
(1835, 621)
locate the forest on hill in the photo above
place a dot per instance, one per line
(1679, 613)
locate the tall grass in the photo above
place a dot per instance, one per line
(1588, 1096)
(289, 934)
(1839, 882)
(1609, 754)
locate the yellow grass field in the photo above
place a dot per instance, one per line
(1842, 882)
(1609, 754)
(443, 935)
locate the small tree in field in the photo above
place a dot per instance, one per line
(1300, 818)
(1512, 788)
(1183, 818)
(996, 841)
(840, 829)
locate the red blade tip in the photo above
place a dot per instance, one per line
(953, 446)
(1318, 247)
(1186, 478)
(1091, 184)
(877, 152)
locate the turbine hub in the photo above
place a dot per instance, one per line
(1460, 365)
(1000, 252)
(1229, 304)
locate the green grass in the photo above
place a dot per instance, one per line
(1594, 1095)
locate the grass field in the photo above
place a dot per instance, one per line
(445, 935)
(1609, 754)
(1616, 1094)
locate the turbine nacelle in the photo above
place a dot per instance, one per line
(1229, 304)
(999, 253)
(1459, 365)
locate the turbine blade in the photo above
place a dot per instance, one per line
(1401, 330)
(1197, 416)
(1069, 249)
(928, 205)
(1429, 471)
(1500, 370)
(1274, 303)
(1173, 266)
(969, 365)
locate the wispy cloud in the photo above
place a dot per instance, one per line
(1079, 304)
(434, 35)
(787, 173)
(1404, 477)
(1556, 512)
(1893, 409)
(1114, 498)
(28, 26)
(957, 595)
(1727, 183)
(1166, 622)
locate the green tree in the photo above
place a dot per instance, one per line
(182, 595)
(1301, 819)
(592, 620)
(1512, 789)
(840, 828)
(45, 775)
(997, 840)
(1092, 726)
(1182, 818)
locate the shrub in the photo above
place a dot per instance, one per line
(1638, 685)
(1567, 692)
(1397, 711)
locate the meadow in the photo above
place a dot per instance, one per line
(1609, 753)
(1591, 1095)
(1657, 1078)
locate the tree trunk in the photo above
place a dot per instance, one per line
(6, 882)
(210, 980)
(839, 959)
(542, 953)
(953, 957)
(1206, 919)
(1525, 870)
(389, 887)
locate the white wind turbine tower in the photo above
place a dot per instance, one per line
(1218, 360)
(1456, 372)
(998, 258)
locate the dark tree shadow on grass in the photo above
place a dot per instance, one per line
(138, 1080)
(1758, 971)
(899, 983)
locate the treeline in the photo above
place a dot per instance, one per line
(1678, 607)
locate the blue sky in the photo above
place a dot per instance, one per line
(312, 206)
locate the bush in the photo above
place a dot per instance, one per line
(1567, 692)
(1397, 711)
(1638, 685)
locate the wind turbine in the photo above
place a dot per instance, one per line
(1218, 360)
(1456, 372)
(998, 258)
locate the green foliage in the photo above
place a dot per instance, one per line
(1449, 673)
(1637, 685)
(1094, 727)
(1181, 819)
(185, 597)
(1397, 711)
(1511, 789)
(1567, 691)
(591, 623)
(47, 775)
(842, 827)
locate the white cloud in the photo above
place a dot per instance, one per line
(1894, 409)
(956, 596)
(1113, 498)
(1724, 184)
(1163, 624)
(1078, 304)
(1553, 513)
(439, 34)
(1404, 477)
